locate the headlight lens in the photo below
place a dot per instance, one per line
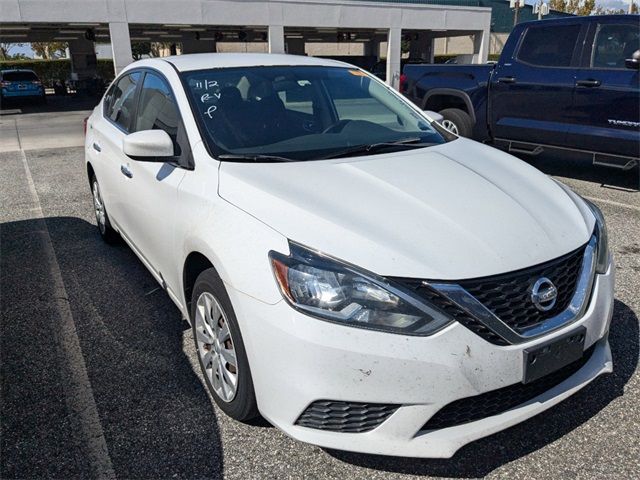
(602, 261)
(338, 292)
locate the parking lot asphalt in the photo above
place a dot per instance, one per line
(29, 126)
(99, 376)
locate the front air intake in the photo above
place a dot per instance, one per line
(346, 417)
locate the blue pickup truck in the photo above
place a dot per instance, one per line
(570, 83)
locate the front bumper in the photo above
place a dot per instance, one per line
(296, 360)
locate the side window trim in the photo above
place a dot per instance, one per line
(575, 55)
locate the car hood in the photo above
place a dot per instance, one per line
(454, 211)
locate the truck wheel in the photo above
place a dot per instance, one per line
(457, 121)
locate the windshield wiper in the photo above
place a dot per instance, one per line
(373, 147)
(254, 158)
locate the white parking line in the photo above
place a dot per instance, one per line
(614, 203)
(78, 393)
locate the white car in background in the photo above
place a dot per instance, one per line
(352, 271)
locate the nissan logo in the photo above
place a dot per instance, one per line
(544, 294)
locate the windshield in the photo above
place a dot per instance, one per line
(301, 112)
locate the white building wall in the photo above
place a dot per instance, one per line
(275, 14)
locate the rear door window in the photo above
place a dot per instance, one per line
(119, 102)
(19, 77)
(549, 46)
(613, 44)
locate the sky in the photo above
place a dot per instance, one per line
(617, 4)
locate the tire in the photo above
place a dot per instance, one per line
(457, 121)
(107, 232)
(211, 312)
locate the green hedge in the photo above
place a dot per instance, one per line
(51, 70)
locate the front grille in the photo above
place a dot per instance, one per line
(499, 401)
(346, 417)
(447, 306)
(508, 295)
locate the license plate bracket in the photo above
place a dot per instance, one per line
(553, 355)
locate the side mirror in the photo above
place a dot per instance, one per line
(148, 146)
(435, 116)
(634, 62)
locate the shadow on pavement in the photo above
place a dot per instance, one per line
(157, 418)
(55, 103)
(480, 458)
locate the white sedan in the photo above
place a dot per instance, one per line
(352, 271)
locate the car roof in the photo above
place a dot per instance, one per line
(582, 19)
(201, 61)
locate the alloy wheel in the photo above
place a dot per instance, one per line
(215, 347)
(98, 206)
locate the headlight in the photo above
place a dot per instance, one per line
(338, 292)
(602, 259)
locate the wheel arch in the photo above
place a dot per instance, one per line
(440, 98)
(194, 265)
(90, 172)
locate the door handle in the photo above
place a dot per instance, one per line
(97, 147)
(588, 83)
(126, 171)
(507, 79)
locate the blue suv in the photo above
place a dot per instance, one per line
(21, 84)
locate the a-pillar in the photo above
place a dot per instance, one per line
(481, 40)
(198, 46)
(276, 39)
(83, 59)
(295, 46)
(394, 55)
(120, 45)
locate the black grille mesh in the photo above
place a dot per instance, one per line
(499, 401)
(347, 417)
(508, 295)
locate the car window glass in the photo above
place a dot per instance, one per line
(297, 96)
(157, 109)
(301, 112)
(614, 44)
(119, 101)
(19, 77)
(549, 46)
(355, 101)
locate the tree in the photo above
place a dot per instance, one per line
(158, 49)
(576, 7)
(49, 50)
(600, 10)
(140, 50)
(5, 50)
(558, 5)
